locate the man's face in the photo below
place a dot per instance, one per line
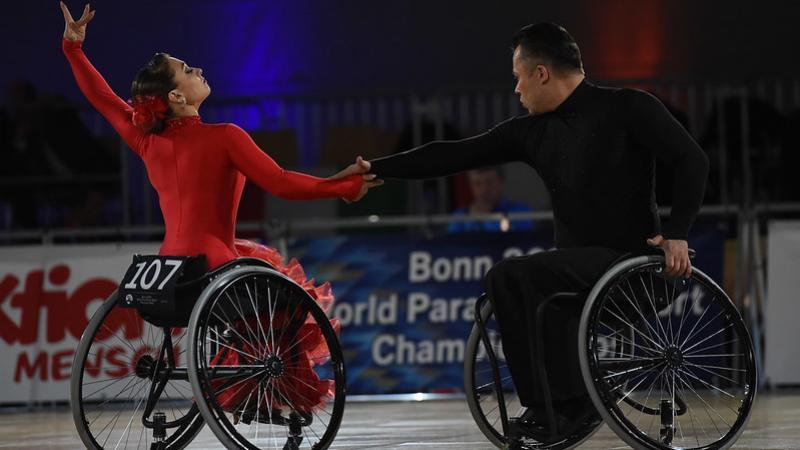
(528, 83)
(486, 186)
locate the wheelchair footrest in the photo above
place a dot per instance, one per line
(667, 421)
(295, 419)
(293, 443)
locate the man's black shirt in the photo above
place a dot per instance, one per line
(596, 153)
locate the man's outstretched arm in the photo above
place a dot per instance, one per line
(499, 145)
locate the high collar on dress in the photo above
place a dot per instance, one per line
(184, 121)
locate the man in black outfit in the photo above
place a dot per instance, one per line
(595, 148)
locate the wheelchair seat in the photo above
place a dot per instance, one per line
(191, 282)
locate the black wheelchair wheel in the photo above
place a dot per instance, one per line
(482, 394)
(265, 363)
(121, 374)
(668, 362)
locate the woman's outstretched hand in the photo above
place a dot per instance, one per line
(360, 167)
(76, 31)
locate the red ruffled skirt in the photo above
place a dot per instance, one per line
(299, 388)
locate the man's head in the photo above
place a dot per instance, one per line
(486, 185)
(547, 65)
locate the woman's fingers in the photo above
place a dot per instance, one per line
(67, 16)
(85, 19)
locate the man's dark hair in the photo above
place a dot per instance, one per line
(549, 43)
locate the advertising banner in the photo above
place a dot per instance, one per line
(405, 303)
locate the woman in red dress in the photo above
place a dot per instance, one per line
(199, 169)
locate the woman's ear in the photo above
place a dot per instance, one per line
(175, 96)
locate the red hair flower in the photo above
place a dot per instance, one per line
(148, 110)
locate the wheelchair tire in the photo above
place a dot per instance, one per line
(265, 364)
(672, 380)
(482, 398)
(111, 386)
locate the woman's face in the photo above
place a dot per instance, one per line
(190, 82)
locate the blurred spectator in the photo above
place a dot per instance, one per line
(46, 148)
(487, 186)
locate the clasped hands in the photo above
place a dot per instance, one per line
(360, 167)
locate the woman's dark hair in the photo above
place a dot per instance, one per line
(155, 79)
(551, 44)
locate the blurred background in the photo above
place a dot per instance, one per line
(316, 83)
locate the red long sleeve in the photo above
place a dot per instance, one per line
(261, 169)
(101, 96)
(199, 170)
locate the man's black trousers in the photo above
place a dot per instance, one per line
(516, 286)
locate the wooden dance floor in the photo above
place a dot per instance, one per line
(442, 424)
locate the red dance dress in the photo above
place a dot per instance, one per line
(199, 171)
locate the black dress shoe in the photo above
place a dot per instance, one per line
(531, 425)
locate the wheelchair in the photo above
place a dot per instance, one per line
(242, 348)
(668, 363)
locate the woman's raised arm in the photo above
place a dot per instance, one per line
(92, 84)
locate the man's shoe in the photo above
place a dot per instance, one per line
(528, 426)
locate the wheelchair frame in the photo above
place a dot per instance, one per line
(616, 269)
(159, 371)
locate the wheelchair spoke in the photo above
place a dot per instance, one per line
(708, 337)
(271, 318)
(690, 410)
(229, 326)
(705, 383)
(716, 355)
(491, 383)
(669, 308)
(651, 299)
(296, 343)
(716, 367)
(652, 331)
(635, 329)
(706, 406)
(269, 387)
(650, 391)
(231, 348)
(645, 373)
(700, 319)
(243, 319)
(625, 339)
(690, 288)
(695, 352)
(258, 317)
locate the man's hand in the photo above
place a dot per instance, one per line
(76, 31)
(676, 254)
(360, 167)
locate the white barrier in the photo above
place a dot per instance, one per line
(47, 296)
(782, 333)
